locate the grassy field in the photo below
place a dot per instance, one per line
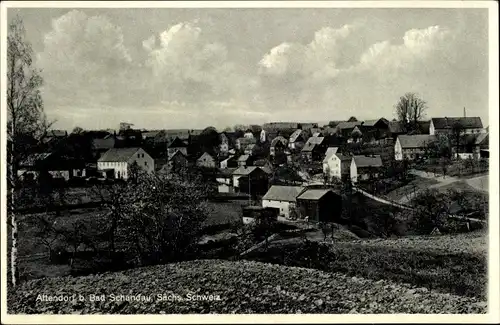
(235, 287)
(419, 183)
(432, 262)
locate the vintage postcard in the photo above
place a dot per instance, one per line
(236, 162)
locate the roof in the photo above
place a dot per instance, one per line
(177, 152)
(313, 194)
(280, 125)
(246, 141)
(243, 157)
(278, 139)
(225, 172)
(343, 157)
(449, 122)
(57, 133)
(295, 135)
(244, 170)
(311, 143)
(415, 141)
(308, 126)
(150, 134)
(367, 161)
(371, 123)
(205, 155)
(107, 143)
(347, 125)
(396, 127)
(177, 143)
(251, 146)
(330, 152)
(33, 158)
(261, 162)
(118, 154)
(482, 139)
(283, 193)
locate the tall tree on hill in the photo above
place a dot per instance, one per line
(26, 118)
(410, 110)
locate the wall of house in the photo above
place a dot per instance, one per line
(412, 153)
(464, 131)
(398, 151)
(144, 160)
(334, 166)
(60, 174)
(205, 161)
(283, 206)
(119, 168)
(432, 130)
(225, 188)
(354, 172)
(236, 183)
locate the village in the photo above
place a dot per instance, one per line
(286, 166)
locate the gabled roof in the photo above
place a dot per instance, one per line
(464, 122)
(244, 170)
(243, 157)
(118, 154)
(225, 172)
(177, 143)
(295, 135)
(261, 162)
(176, 153)
(280, 125)
(150, 134)
(283, 193)
(367, 161)
(32, 159)
(372, 123)
(415, 141)
(396, 127)
(206, 155)
(278, 139)
(347, 125)
(313, 194)
(330, 152)
(311, 143)
(482, 139)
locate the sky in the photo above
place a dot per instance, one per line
(193, 68)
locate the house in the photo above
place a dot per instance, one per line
(224, 179)
(206, 160)
(101, 145)
(365, 168)
(52, 163)
(177, 161)
(117, 161)
(446, 125)
(256, 175)
(297, 140)
(278, 146)
(411, 147)
(314, 149)
(283, 198)
(263, 163)
(345, 129)
(319, 205)
(472, 145)
(253, 213)
(177, 145)
(229, 162)
(224, 144)
(378, 129)
(52, 135)
(262, 136)
(396, 128)
(242, 143)
(336, 165)
(244, 160)
(250, 149)
(249, 134)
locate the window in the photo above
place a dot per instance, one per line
(142, 155)
(138, 155)
(145, 163)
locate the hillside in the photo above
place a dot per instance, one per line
(243, 287)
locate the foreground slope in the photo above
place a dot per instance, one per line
(243, 287)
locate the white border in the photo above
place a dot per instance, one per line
(492, 317)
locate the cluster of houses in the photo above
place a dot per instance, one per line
(245, 160)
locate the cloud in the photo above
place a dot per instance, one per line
(186, 66)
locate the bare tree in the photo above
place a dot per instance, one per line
(26, 118)
(410, 109)
(77, 130)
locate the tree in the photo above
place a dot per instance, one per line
(26, 118)
(457, 132)
(77, 130)
(356, 134)
(432, 209)
(410, 109)
(352, 119)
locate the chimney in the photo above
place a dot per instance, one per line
(465, 115)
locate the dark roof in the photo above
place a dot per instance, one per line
(57, 133)
(32, 159)
(347, 125)
(261, 162)
(367, 161)
(225, 172)
(343, 157)
(372, 123)
(118, 154)
(177, 143)
(280, 125)
(176, 153)
(244, 170)
(283, 193)
(464, 122)
(396, 127)
(106, 143)
(482, 139)
(313, 194)
(415, 141)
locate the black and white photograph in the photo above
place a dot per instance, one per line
(196, 159)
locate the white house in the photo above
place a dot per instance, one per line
(445, 125)
(118, 161)
(365, 167)
(283, 198)
(335, 164)
(411, 146)
(263, 137)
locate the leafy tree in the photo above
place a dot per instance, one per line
(356, 134)
(410, 109)
(26, 118)
(352, 119)
(432, 209)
